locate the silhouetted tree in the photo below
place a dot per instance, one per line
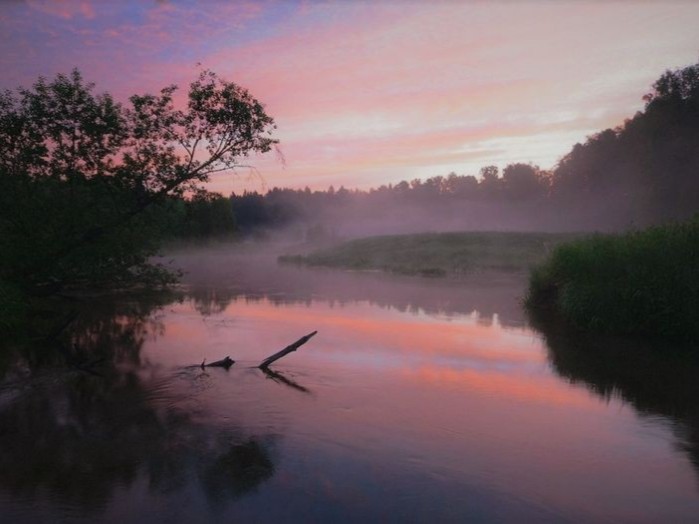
(85, 181)
(207, 214)
(643, 172)
(523, 182)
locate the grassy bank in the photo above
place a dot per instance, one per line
(643, 283)
(436, 254)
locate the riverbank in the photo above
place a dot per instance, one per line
(436, 254)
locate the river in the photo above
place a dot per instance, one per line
(419, 400)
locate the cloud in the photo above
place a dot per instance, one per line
(66, 9)
(365, 93)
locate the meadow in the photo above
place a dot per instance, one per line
(436, 254)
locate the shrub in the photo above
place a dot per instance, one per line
(642, 283)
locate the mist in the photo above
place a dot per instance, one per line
(216, 274)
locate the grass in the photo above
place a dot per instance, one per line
(436, 254)
(642, 283)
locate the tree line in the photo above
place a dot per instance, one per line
(641, 173)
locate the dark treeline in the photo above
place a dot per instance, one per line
(644, 172)
(202, 214)
(440, 202)
(89, 187)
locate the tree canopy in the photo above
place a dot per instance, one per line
(84, 179)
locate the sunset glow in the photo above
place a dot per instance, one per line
(349, 261)
(366, 94)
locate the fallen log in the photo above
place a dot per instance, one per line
(288, 349)
(223, 363)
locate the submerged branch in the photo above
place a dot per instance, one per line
(288, 349)
(227, 362)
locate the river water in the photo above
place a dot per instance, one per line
(419, 400)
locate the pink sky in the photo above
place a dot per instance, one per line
(367, 93)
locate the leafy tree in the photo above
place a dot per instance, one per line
(679, 85)
(643, 172)
(523, 182)
(85, 181)
(491, 183)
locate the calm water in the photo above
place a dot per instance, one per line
(418, 401)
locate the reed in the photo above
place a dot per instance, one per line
(642, 283)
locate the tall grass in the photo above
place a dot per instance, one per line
(641, 283)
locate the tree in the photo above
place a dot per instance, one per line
(84, 180)
(679, 85)
(206, 215)
(523, 182)
(491, 183)
(643, 172)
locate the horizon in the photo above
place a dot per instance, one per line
(367, 95)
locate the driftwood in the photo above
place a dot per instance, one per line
(228, 361)
(288, 349)
(223, 363)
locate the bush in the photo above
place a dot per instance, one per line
(640, 283)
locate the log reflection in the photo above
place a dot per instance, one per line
(281, 379)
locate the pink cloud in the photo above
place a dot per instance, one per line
(66, 9)
(366, 94)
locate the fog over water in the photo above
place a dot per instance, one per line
(252, 271)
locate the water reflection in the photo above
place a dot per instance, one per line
(656, 381)
(86, 418)
(435, 413)
(255, 276)
(81, 334)
(279, 378)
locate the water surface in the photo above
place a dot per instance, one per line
(418, 400)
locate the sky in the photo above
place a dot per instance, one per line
(370, 93)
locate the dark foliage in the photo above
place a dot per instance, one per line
(641, 283)
(87, 185)
(201, 215)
